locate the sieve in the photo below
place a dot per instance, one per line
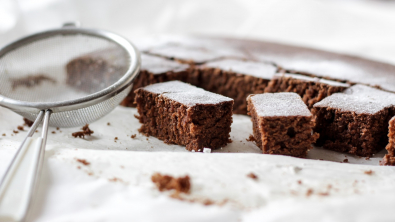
(64, 77)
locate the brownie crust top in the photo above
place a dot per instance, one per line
(279, 104)
(159, 65)
(186, 94)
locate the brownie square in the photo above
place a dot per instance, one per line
(311, 89)
(282, 123)
(179, 113)
(389, 159)
(233, 78)
(153, 70)
(355, 121)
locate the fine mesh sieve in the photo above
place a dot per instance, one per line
(68, 77)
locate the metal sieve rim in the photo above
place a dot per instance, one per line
(88, 100)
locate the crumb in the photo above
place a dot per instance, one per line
(3, 134)
(321, 159)
(15, 131)
(323, 194)
(115, 180)
(147, 138)
(108, 124)
(299, 182)
(345, 160)
(329, 186)
(252, 176)
(309, 192)
(367, 158)
(90, 173)
(133, 136)
(208, 202)
(230, 140)
(57, 128)
(27, 122)
(251, 138)
(36, 131)
(85, 131)
(368, 172)
(78, 167)
(20, 128)
(53, 132)
(116, 138)
(166, 182)
(86, 163)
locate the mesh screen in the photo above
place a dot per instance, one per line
(63, 68)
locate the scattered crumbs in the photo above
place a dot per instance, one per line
(367, 158)
(147, 138)
(251, 138)
(345, 160)
(83, 161)
(15, 131)
(166, 182)
(78, 167)
(133, 136)
(3, 134)
(85, 131)
(115, 179)
(57, 128)
(252, 176)
(368, 172)
(27, 122)
(36, 131)
(116, 138)
(20, 128)
(208, 202)
(309, 192)
(108, 124)
(230, 140)
(299, 182)
(53, 132)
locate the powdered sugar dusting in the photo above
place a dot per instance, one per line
(256, 69)
(279, 104)
(159, 65)
(186, 94)
(359, 99)
(311, 79)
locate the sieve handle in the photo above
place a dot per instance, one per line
(19, 182)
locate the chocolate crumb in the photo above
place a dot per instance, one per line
(36, 131)
(299, 182)
(251, 138)
(133, 136)
(323, 194)
(3, 134)
(147, 138)
(367, 158)
(27, 122)
(57, 128)
(252, 176)
(230, 141)
(368, 172)
(30, 81)
(53, 132)
(85, 131)
(108, 124)
(166, 182)
(78, 167)
(345, 160)
(309, 192)
(116, 138)
(86, 163)
(15, 131)
(20, 128)
(115, 180)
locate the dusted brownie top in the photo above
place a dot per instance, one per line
(279, 104)
(193, 54)
(312, 79)
(186, 94)
(159, 65)
(359, 99)
(256, 69)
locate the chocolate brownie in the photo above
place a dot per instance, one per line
(355, 121)
(183, 114)
(282, 123)
(153, 70)
(311, 89)
(389, 159)
(95, 71)
(233, 78)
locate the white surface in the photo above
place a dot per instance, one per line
(67, 193)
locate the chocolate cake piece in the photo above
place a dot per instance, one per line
(153, 70)
(97, 70)
(179, 113)
(282, 123)
(389, 159)
(355, 121)
(233, 78)
(311, 89)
